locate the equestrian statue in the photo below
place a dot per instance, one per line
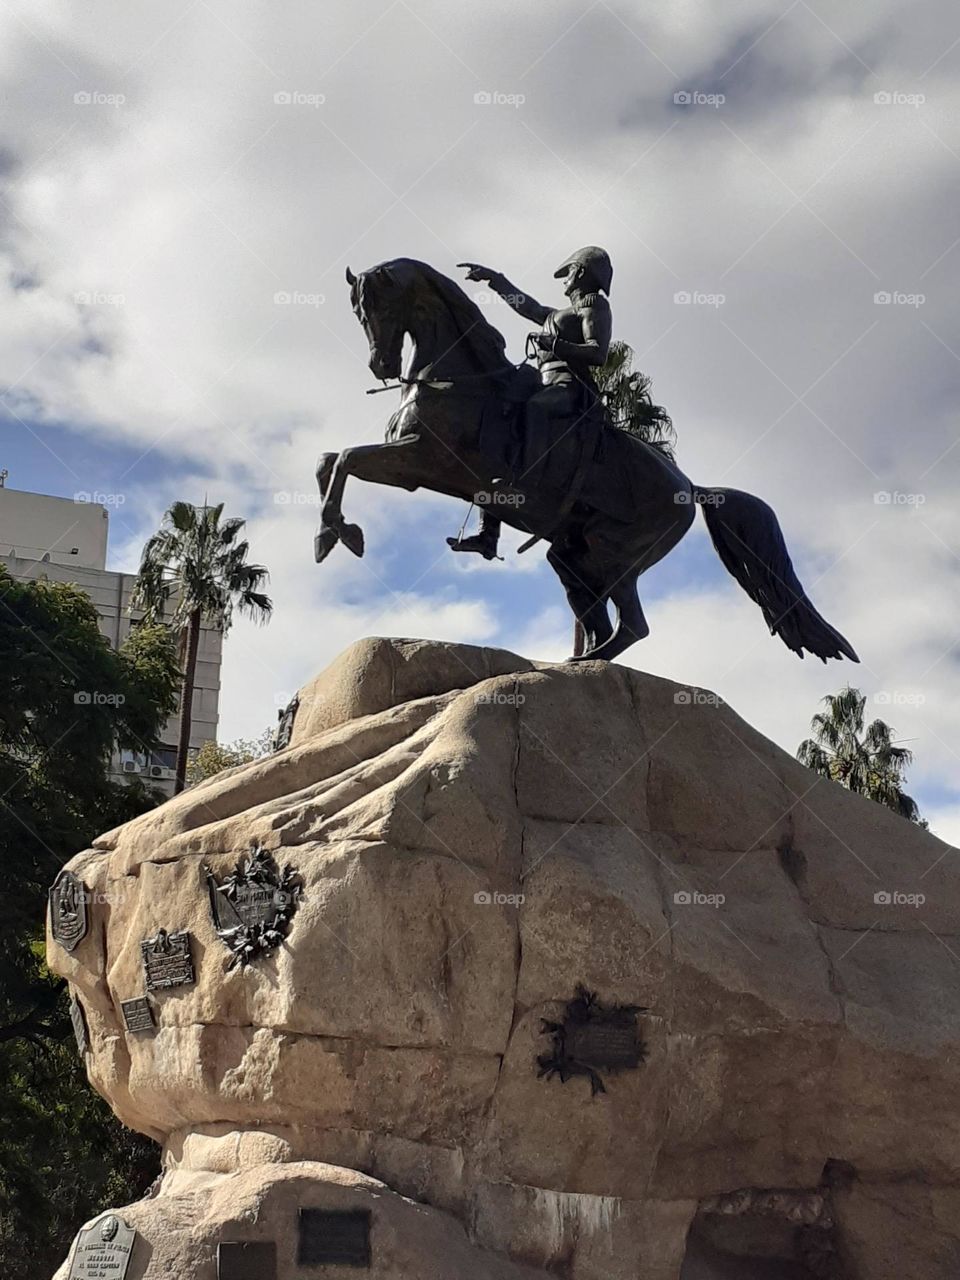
(532, 446)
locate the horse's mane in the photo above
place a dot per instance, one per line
(487, 344)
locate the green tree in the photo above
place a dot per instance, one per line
(68, 702)
(196, 565)
(214, 757)
(626, 394)
(863, 758)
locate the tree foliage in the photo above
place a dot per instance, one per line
(195, 568)
(67, 702)
(214, 757)
(863, 758)
(626, 393)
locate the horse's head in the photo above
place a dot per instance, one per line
(377, 299)
(405, 296)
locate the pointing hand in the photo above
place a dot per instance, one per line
(476, 272)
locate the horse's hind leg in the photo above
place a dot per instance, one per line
(631, 623)
(581, 582)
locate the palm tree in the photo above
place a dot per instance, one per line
(196, 561)
(864, 760)
(625, 393)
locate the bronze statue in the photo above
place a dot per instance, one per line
(609, 505)
(569, 343)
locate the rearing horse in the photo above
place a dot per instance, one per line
(609, 505)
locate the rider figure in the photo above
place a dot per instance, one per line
(571, 341)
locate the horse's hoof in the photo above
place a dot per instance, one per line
(351, 535)
(324, 542)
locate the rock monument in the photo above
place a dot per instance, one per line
(501, 970)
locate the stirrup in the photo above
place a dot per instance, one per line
(477, 542)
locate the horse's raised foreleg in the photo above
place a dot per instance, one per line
(325, 471)
(396, 463)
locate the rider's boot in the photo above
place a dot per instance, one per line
(485, 542)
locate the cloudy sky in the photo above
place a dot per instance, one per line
(167, 169)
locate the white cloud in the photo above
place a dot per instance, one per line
(188, 206)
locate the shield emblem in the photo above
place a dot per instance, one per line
(252, 908)
(68, 910)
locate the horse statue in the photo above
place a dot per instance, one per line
(609, 505)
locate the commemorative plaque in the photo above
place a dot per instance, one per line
(167, 960)
(592, 1038)
(334, 1237)
(68, 910)
(285, 719)
(79, 1026)
(247, 1260)
(103, 1249)
(253, 906)
(137, 1014)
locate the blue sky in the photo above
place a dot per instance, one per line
(171, 168)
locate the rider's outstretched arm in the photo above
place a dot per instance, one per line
(520, 302)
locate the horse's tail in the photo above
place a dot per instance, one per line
(749, 541)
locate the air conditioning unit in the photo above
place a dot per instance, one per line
(130, 766)
(160, 771)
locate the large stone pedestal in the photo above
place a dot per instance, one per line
(796, 1110)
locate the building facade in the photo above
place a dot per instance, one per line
(66, 541)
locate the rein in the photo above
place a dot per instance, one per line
(444, 384)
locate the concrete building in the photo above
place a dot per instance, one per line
(66, 541)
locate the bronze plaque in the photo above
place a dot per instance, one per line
(247, 1260)
(592, 1037)
(68, 910)
(103, 1249)
(167, 960)
(137, 1014)
(252, 908)
(604, 1044)
(79, 1025)
(334, 1237)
